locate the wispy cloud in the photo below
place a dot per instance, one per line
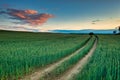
(96, 20)
(31, 17)
(18, 28)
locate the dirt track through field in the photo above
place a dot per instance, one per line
(40, 73)
(79, 66)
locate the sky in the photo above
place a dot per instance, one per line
(46, 15)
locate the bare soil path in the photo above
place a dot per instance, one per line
(40, 73)
(79, 66)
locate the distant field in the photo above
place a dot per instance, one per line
(47, 56)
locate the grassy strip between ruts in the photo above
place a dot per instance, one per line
(68, 63)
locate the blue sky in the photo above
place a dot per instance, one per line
(68, 14)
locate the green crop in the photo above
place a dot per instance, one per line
(60, 70)
(105, 63)
(22, 53)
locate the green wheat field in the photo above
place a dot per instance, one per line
(23, 53)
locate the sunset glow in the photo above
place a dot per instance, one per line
(45, 15)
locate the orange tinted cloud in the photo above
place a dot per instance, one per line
(19, 15)
(31, 17)
(30, 11)
(38, 19)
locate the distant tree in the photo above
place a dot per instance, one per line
(91, 33)
(119, 29)
(114, 32)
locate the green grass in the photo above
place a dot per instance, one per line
(21, 52)
(105, 63)
(60, 70)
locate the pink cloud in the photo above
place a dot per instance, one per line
(38, 19)
(30, 11)
(31, 17)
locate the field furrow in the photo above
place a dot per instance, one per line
(52, 56)
(67, 64)
(23, 53)
(45, 71)
(79, 66)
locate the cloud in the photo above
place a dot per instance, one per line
(31, 17)
(96, 20)
(2, 11)
(18, 28)
(93, 23)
